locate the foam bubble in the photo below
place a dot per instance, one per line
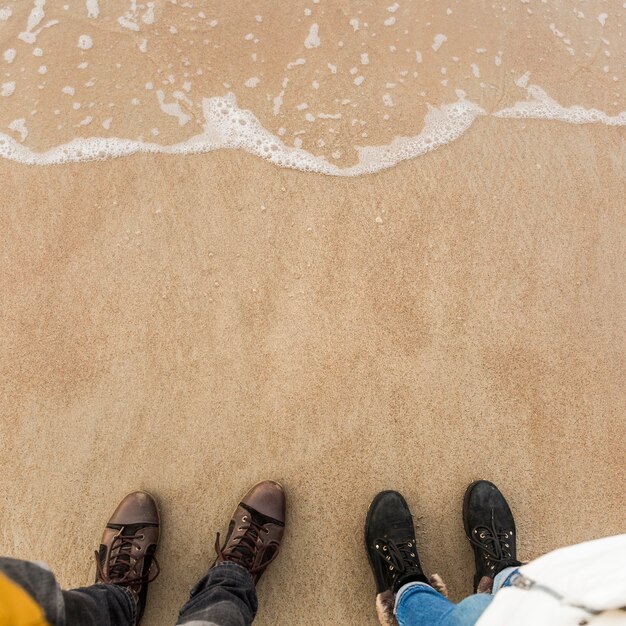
(313, 38)
(173, 108)
(85, 42)
(439, 41)
(93, 8)
(19, 126)
(7, 88)
(9, 55)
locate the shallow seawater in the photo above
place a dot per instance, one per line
(342, 88)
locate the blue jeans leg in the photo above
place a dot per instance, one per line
(96, 605)
(418, 604)
(226, 596)
(504, 579)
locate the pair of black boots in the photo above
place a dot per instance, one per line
(390, 537)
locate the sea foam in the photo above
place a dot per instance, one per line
(226, 126)
(541, 106)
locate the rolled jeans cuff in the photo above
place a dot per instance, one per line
(406, 588)
(504, 578)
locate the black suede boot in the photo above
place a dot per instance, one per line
(390, 543)
(490, 528)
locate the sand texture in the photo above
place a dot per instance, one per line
(164, 331)
(192, 324)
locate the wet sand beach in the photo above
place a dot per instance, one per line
(192, 324)
(182, 339)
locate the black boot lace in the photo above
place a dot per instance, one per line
(400, 558)
(495, 544)
(125, 562)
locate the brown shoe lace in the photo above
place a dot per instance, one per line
(121, 564)
(245, 551)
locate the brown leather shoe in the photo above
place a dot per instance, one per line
(255, 529)
(126, 554)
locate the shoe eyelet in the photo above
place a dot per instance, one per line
(391, 568)
(244, 518)
(384, 548)
(412, 554)
(141, 537)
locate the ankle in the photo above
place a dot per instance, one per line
(410, 577)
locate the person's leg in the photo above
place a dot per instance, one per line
(418, 604)
(402, 587)
(391, 550)
(97, 605)
(226, 595)
(505, 578)
(123, 564)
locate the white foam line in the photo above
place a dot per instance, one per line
(541, 106)
(227, 126)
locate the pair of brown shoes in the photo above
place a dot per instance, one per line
(127, 553)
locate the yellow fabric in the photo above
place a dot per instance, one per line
(17, 608)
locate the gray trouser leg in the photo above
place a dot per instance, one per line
(226, 596)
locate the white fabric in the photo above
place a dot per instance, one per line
(573, 586)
